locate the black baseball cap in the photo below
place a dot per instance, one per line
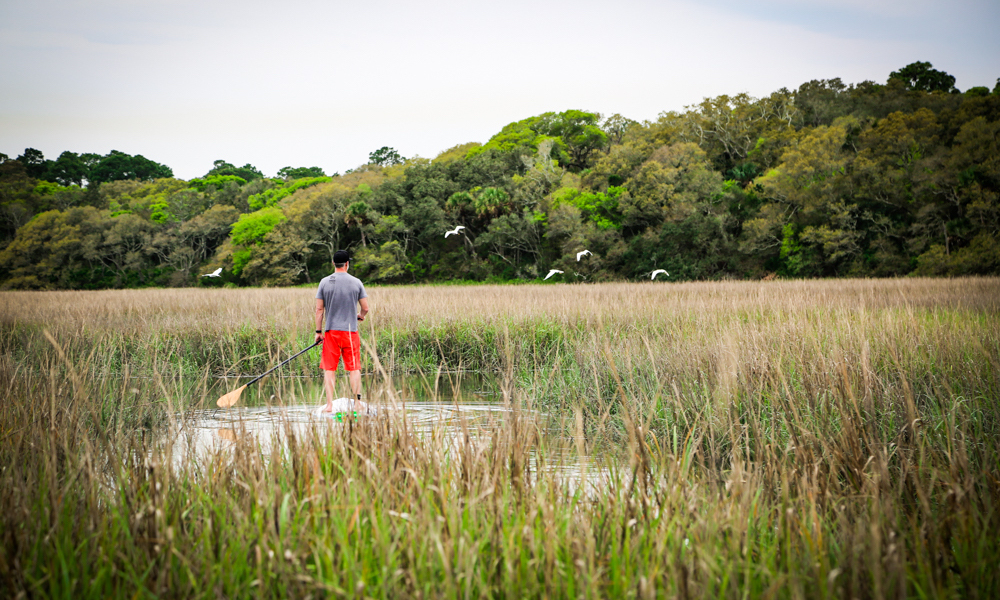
(341, 256)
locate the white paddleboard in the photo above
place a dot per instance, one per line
(343, 407)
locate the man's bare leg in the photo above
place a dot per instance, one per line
(354, 377)
(329, 383)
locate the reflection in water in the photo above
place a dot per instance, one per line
(448, 408)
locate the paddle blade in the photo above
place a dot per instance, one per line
(231, 398)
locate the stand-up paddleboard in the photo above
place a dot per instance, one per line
(345, 407)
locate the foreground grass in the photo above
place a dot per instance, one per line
(789, 439)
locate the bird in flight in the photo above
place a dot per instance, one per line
(657, 272)
(552, 272)
(454, 231)
(581, 254)
(215, 273)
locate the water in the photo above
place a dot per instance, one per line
(265, 409)
(448, 406)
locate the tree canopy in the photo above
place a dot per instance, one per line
(830, 179)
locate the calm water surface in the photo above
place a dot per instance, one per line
(447, 405)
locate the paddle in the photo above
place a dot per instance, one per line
(234, 396)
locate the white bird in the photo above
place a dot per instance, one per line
(215, 273)
(552, 272)
(657, 272)
(581, 254)
(454, 231)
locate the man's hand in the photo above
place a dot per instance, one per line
(318, 338)
(361, 317)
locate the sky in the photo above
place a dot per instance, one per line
(306, 83)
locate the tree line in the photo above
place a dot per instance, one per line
(827, 180)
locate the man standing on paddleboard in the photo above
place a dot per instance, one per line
(337, 299)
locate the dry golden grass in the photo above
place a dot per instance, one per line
(620, 304)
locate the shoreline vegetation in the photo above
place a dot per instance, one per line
(789, 439)
(827, 180)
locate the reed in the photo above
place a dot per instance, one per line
(781, 439)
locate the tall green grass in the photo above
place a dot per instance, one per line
(793, 439)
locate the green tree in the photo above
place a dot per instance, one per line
(125, 249)
(320, 219)
(386, 262)
(251, 228)
(459, 152)
(68, 169)
(958, 217)
(161, 201)
(18, 200)
(247, 172)
(215, 181)
(53, 249)
(281, 258)
(54, 196)
(359, 214)
(810, 187)
(580, 131)
(600, 208)
(491, 201)
(619, 163)
(812, 168)
(34, 163)
(616, 126)
(821, 101)
(185, 247)
(669, 185)
(250, 231)
(921, 76)
(574, 136)
(385, 157)
(272, 196)
(116, 166)
(892, 177)
(735, 129)
(288, 173)
(515, 240)
(569, 230)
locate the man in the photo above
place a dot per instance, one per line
(337, 299)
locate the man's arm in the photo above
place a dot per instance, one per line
(320, 313)
(364, 308)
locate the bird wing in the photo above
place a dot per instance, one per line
(217, 272)
(447, 233)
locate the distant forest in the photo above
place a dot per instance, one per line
(829, 180)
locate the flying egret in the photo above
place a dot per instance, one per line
(454, 231)
(552, 272)
(215, 273)
(581, 254)
(657, 272)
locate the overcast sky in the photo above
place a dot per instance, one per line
(323, 83)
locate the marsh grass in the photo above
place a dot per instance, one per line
(780, 439)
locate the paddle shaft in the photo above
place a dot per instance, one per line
(283, 363)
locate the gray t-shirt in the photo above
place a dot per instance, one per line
(340, 293)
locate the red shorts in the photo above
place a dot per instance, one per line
(337, 343)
